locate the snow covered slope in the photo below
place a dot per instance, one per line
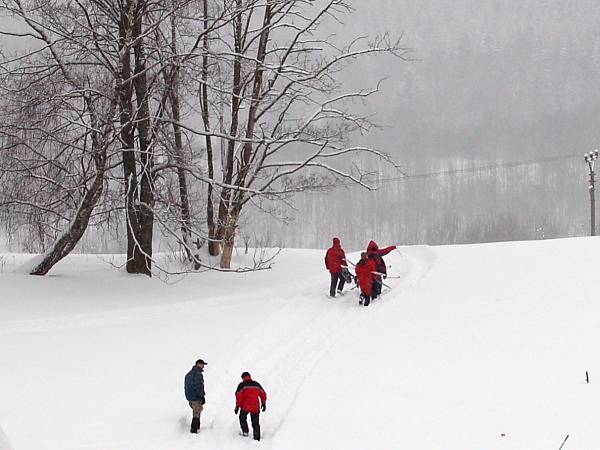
(481, 347)
(4, 444)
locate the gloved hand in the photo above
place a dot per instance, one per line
(384, 276)
(264, 407)
(236, 410)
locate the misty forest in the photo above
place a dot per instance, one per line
(206, 126)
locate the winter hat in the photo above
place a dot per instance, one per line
(245, 375)
(336, 241)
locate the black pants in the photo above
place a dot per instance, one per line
(255, 424)
(336, 280)
(377, 284)
(365, 299)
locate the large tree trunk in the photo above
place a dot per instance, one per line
(127, 137)
(225, 206)
(142, 257)
(69, 239)
(138, 204)
(229, 239)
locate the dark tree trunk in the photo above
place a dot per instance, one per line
(184, 202)
(127, 139)
(213, 244)
(138, 203)
(142, 256)
(67, 242)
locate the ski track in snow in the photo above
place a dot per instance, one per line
(306, 323)
(284, 369)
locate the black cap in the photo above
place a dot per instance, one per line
(201, 361)
(245, 374)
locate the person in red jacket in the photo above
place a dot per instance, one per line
(376, 254)
(364, 273)
(250, 398)
(335, 262)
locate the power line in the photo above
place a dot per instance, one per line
(442, 173)
(510, 164)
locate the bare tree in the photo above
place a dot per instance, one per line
(109, 83)
(289, 119)
(88, 66)
(66, 120)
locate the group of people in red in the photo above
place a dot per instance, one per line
(370, 270)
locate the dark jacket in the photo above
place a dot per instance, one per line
(249, 395)
(194, 385)
(335, 257)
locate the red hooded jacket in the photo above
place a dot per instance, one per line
(376, 253)
(335, 257)
(364, 271)
(249, 395)
(374, 248)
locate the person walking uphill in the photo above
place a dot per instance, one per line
(194, 393)
(250, 398)
(376, 254)
(366, 278)
(335, 262)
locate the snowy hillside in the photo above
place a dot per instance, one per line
(481, 347)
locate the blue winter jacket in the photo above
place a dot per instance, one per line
(194, 385)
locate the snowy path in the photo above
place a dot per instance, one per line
(287, 345)
(475, 347)
(499, 336)
(278, 328)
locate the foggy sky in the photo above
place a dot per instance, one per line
(491, 82)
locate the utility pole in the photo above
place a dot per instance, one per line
(590, 159)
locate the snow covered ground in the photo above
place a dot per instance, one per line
(480, 347)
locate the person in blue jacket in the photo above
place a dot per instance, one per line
(194, 393)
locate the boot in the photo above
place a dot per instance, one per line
(195, 425)
(256, 431)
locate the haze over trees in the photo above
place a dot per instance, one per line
(492, 83)
(488, 84)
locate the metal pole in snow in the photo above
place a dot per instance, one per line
(590, 158)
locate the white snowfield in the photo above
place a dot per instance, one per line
(481, 347)
(4, 443)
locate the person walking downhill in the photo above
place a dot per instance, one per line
(194, 393)
(366, 278)
(376, 254)
(250, 398)
(335, 262)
